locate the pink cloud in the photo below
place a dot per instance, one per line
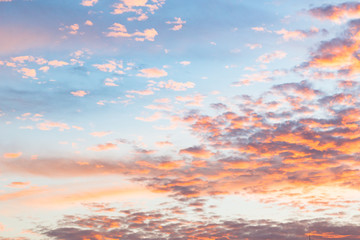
(178, 23)
(141, 92)
(156, 116)
(79, 93)
(176, 86)
(27, 72)
(89, 3)
(103, 147)
(135, 3)
(269, 57)
(89, 23)
(152, 73)
(57, 63)
(297, 34)
(119, 30)
(100, 134)
(48, 125)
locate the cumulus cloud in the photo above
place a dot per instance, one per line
(152, 73)
(88, 3)
(176, 86)
(270, 57)
(79, 93)
(177, 23)
(297, 34)
(337, 13)
(119, 30)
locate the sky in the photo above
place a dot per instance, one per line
(179, 120)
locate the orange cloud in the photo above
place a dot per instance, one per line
(337, 13)
(12, 155)
(103, 147)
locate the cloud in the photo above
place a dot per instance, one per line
(79, 93)
(135, 3)
(185, 63)
(89, 23)
(269, 57)
(156, 116)
(103, 147)
(297, 34)
(57, 63)
(254, 46)
(176, 86)
(72, 29)
(110, 66)
(197, 151)
(339, 54)
(337, 13)
(141, 8)
(192, 100)
(178, 23)
(100, 134)
(152, 73)
(88, 3)
(141, 92)
(119, 30)
(12, 155)
(164, 224)
(27, 72)
(49, 125)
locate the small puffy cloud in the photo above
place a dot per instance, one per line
(156, 116)
(260, 29)
(79, 93)
(89, 23)
(57, 63)
(103, 147)
(111, 82)
(269, 57)
(44, 68)
(185, 63)
(48, 125)
(73, 29)
(110, 66)
(297, 34)
(152, 73)
(191, 100)
(119, 30)
(100, 134)
(254, 46)
(176, 86)
(197, 151)
(28, 73)
(141, 92)
(178, 23)
(135, 3)
(12, 155)
(89, 3)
